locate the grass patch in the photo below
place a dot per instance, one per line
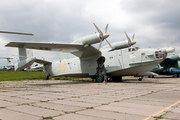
(21, 75)
(34, 75)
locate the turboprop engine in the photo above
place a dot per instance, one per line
(122, 44)
(94, 38)
(91, 39)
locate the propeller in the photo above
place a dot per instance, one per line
(102, 36)
(105, 31)
(133, 37)
(130, 42)
(16, 33)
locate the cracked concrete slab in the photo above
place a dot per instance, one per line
(60, 107)
(35, 111)
(110, 115)
(77, 116)
(119, 109)
(6, 104)
(18, 100)
(13, 115)
(75, 103)
(65, 99)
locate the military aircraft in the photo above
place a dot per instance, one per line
(109, 62)
(141, 75)
(169, 66)
(36, 67)
(10, 65)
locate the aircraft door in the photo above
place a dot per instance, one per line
(119, 59)
(142, 57)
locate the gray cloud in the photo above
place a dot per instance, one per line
(156, 23)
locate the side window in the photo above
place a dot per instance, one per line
(157, 54)
(129, 49)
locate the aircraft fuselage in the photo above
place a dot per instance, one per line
(128, 61)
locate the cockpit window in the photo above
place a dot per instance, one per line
(133, 49)
(158, 54)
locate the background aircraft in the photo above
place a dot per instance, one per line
(10, 65)
(141, 75)
(36, 67)
(112, 61)
(169, 66)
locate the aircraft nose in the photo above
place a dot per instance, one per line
(170, 50)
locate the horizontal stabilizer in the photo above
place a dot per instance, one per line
(24, 63)
(42, 61)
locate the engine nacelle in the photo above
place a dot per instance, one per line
(91, 39)
(167, 50)
(120, 45)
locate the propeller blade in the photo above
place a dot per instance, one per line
(109, 44)
(101, 36)
(129, 40)
(100, 45)
(105, 31)
(16, 33)
(98, 29)
(133, 37)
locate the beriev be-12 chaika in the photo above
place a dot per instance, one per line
(109, 62)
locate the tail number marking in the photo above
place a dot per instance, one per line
(62, 67)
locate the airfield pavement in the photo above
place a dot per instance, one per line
(151, 99)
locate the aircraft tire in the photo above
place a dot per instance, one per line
(47, 77)
(175, 75)
(99, 78)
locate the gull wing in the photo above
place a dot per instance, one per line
(78, 50)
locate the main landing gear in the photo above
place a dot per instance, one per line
(47, 77)
(100, 70)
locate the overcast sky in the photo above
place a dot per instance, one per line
(156, 23)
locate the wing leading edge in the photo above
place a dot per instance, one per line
(78, 50)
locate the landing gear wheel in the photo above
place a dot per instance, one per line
(47, 77)
(175, 75)
(99, 78)
(140, 79)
